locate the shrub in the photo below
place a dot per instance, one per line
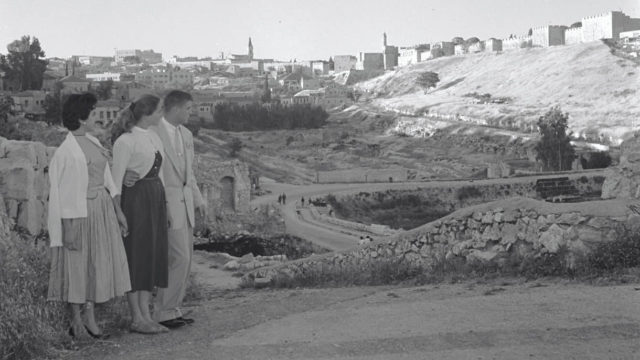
(30, 327)
(467, 192)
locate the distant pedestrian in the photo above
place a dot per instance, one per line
(284, 198)
(280, 199)
(302, 200)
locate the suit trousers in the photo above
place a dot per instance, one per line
(168, 300)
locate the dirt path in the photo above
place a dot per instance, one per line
(330, 236)
(497, 320)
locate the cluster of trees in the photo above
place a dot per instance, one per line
(24, 65)
(254, 117)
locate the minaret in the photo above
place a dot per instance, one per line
(384, 39)
(250, 50)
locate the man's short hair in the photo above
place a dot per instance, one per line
(176, 98)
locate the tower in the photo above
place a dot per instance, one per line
(250, 50)
(384, 39)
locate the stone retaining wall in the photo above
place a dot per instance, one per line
(24, 182)
(491, 233)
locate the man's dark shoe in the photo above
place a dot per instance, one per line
(186, 320)
(173, 323)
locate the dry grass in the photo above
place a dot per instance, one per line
(585, 79)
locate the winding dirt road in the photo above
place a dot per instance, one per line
(333, 237)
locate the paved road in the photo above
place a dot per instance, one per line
(330, 236)
(499, 320)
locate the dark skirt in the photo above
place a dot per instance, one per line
(144, 206)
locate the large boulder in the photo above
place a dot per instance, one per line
(623, 181)
(24, 183)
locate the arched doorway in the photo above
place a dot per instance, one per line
(227, 195)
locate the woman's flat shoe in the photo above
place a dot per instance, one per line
(143, 328)
(102, 336)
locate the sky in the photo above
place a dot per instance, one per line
(280, 29)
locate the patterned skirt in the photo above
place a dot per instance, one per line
(98, 271)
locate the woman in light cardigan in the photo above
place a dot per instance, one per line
(86, 224)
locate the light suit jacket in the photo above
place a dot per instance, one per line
(180, 183)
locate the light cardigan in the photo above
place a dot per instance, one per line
(69, 179)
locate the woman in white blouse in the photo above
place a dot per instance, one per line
(140, 150)
(88, 260)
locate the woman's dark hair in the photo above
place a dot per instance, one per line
(176, 98)
(129, 117)
(77, 107)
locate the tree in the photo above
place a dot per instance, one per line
(103, 90)
(530, 32)
(235, 145)
(457, 40)
(471, 41)
(53, 105)
(554, 148)
(428, 80)
(266, 97)
(577, 24)
(24, 65)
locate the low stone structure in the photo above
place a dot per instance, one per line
(623, 181)
(24, 182)
(225, 185)
(490, 233)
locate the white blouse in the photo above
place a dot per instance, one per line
(135, 151)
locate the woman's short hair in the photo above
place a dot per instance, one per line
(176, 98)
(77, 107)
(130, 116)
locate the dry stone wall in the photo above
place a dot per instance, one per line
(24, 182)
(490, 233)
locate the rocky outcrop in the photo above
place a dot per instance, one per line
(623, 181)
(492, 233)
(24, 182)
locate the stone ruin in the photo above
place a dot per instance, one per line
(24, 183)
(623, 181)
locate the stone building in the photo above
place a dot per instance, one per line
(493, 44)
(480, 46)
(225, 186)
(390, 54)
(148, 56)
(74, 85)
(573, 36)
(370, 61)
(549, 35)
(344, 62)
(607, 26)
(408, 56)
(163, 78)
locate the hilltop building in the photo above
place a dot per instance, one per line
(370, 61)
(136, 55)
(164, 78)
(344, 62)
(390, 54)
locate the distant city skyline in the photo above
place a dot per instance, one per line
(280, 29)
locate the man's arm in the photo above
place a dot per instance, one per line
(198, 199)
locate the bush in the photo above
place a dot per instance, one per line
(468, 192)
(30, 327)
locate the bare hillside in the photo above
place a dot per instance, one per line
(598, 89)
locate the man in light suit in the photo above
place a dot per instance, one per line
(183, 198)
